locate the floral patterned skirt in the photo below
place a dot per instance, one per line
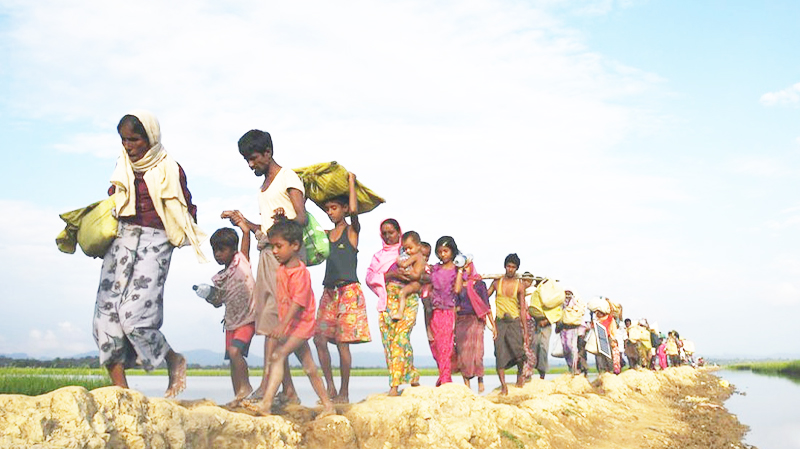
(395, 336)
(130, 300)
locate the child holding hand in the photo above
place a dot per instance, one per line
(296, 312)
(234, 286)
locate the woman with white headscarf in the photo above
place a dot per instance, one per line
(156, 214)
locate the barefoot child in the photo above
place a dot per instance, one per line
(413, 264)
(342, 314)
(235, 290)
(296, 308)
(512, 335)
(447, 281)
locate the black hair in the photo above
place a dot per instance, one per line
(447, 242)
(425, 245)
(286, 229)
(225, 237)
(512, 258)
(255, 141)
(136, 124)
(392, 222)
(627, 320)
(342, 200)
(413, 235)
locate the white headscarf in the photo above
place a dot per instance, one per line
(162, 177)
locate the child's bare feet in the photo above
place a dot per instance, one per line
(393, 392)
(342, 398)
(283, 398)
(520, 381)
(504, 390)
(243, 394)
(327, 410)
(481, 387)
(264, 408)
(176, 367)
(257, 395)
(332, 391)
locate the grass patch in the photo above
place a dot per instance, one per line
(790, 369)
(36, 381)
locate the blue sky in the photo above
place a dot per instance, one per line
(646, 151)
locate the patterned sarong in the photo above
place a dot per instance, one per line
(129, 309)
(342, 315)
(396, 337)
(469, 345)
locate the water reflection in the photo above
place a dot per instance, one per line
(769, 406)
(219, 389)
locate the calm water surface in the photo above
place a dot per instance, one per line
(770, 406)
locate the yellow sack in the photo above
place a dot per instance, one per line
(329, 179)
(573, 315)
(92, 227)
(550, 293)
(546, 301)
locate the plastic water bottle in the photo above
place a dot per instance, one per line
(205, 291)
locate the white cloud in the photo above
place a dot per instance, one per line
(784, 294)
(789, 96)
(98, 144)
(66, 339)
(761, 166)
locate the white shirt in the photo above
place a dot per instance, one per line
(277, 195)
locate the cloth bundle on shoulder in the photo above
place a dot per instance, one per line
(546, 301)
(92, 227)
(599, 303)
(329, 179)
(574, 312)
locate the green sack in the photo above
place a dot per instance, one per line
(315, 240)
(92, 227)
(329, 179)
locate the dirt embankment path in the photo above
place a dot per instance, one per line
(677, 408)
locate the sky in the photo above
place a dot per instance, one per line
(643, 150)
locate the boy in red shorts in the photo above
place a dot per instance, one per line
(234, 289)
(342, 314)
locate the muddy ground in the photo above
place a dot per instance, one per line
(676, 408)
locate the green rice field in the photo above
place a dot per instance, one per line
(36, 381)
(790, 368)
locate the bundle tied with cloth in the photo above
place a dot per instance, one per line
(91, 227)
(547, 301)
(322, 182)
(330, 179)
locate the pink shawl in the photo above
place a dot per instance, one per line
(480, 307)
(381, 261)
